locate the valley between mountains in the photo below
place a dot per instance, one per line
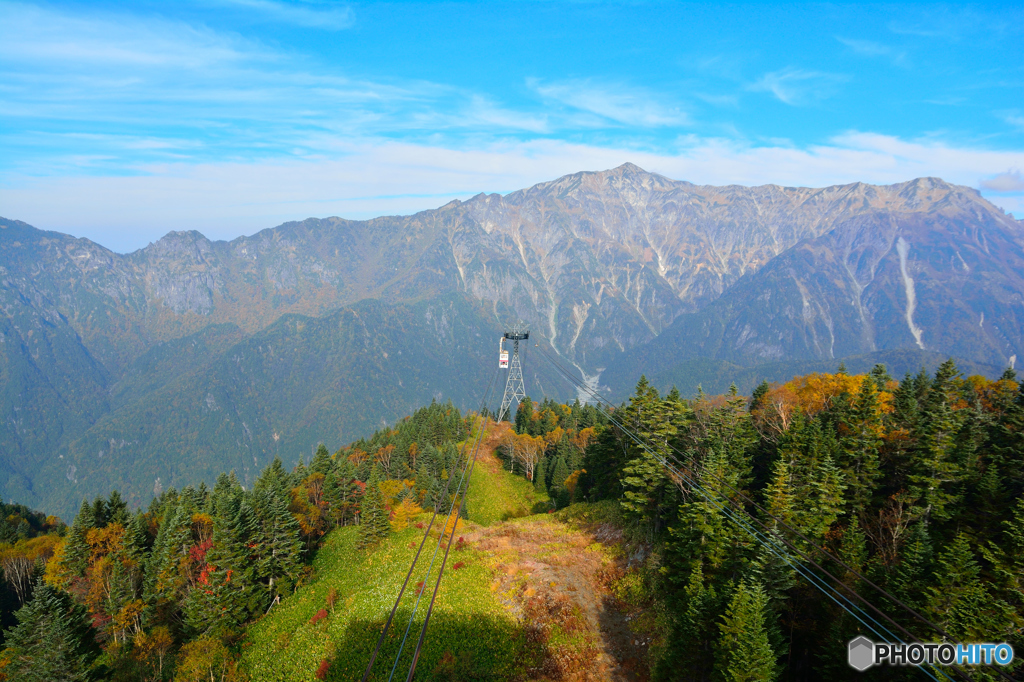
(168, 365)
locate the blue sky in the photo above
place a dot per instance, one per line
(120, 122)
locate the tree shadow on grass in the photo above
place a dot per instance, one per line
(473, 647)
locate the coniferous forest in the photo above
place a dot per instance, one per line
(916, 485)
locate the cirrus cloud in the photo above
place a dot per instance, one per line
(798, 87)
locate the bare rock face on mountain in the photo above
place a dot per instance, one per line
(619, 272)
(613, 258)
(949, 281)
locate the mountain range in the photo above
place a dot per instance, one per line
(164, 366)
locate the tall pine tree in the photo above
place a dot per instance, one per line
(373, 525)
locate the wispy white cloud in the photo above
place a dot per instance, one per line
(482, 111)
(798, 87)
(328, 16)
(365, 178)
(1016, 120)
(870, 48)
(40, 37)
(1010, 181)
(619, 103)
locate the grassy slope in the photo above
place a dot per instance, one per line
(496, 496)
(469, 628)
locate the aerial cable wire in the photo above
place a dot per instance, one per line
(759, 522)
(440, 538)
(766, 541)
(814, 580)
(821, 550)
(757, 535)
(426, 533)
(440, 573)
(433, 557)
(593, 393)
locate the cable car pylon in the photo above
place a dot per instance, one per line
(515, 389)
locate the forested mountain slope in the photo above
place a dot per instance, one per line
(914, 485)
(620, 272)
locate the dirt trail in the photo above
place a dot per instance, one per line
(556, 579)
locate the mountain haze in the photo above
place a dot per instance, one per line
(192, 356)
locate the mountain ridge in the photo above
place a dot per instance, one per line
(618, 272)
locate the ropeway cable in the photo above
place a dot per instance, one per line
(426, 533)
(468, 468)
(444, 529)
(765, 540)
(440, 573)
(412, 567)
(821, 550)
(775, 548)
(700, 489)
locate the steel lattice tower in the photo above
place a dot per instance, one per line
(514, 387)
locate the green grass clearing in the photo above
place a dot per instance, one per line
(470, 632)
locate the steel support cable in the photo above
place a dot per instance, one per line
(426, 533)
(440, 573)
(440, 539)
(765, 540)
(819, 549)
(909, 635)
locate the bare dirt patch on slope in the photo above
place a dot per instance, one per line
(556, 579)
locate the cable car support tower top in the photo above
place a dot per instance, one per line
(514, 387)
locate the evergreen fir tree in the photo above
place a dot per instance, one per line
(117, 510)
(702, 535)
(1007, 438)
(52, 641)
(321, 463)
(524, 416)
(99, 512)
(76, 549)
(777, 577)
(910, 576)
(558, 492)
(539, 477)
(559, 473)
(373, 525)
(758, 396)
(862, 432)
(880, 375)
(690, 647)
(165, 582)
(934, 474)
(226, 595)
(744, 653)
(277, 548)
(961, 602)
(275, 478)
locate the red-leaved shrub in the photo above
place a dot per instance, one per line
(458, 566)
(321, 672)
(318, 616)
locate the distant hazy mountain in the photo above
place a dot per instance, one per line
(190, 356)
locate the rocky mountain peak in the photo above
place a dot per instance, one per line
(189, 245)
